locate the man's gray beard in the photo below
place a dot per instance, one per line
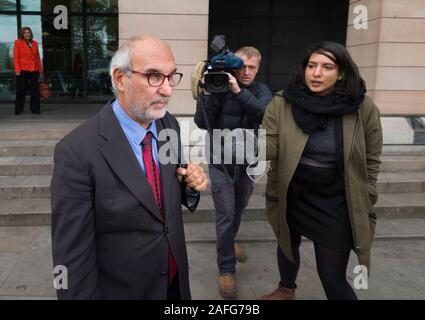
(145, 116)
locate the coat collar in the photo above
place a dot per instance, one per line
(119, 155)
(349, 128)
(25, 44)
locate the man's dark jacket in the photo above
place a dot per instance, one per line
(107, 229)
(229, 111)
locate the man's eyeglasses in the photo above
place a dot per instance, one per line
(156, 79)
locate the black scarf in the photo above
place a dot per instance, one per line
(311, 111)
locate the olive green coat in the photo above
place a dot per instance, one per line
(362, 143)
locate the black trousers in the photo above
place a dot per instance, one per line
(331, 267)
(24, 80)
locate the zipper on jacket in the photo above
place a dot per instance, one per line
(348, 185)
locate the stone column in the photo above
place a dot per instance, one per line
(391, 53)
(183, 25)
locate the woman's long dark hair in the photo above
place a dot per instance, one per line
(351, 81)
(22, 30)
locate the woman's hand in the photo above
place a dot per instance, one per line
(18, 73)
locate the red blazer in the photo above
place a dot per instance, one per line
(26, 58)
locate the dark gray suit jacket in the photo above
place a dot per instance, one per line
(106, 227)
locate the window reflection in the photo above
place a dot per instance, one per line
(8, 5)
(48, 6)
(102, 42)
(7, 74)
(8, 28)
(77, 57)
(76, 5)
(58, 65)
(34, 22)
(102, 5)
(30, 5)
(75, 60)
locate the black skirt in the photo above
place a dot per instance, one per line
(317, 207)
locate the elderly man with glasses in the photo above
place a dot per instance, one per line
(117, 225)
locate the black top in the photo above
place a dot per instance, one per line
(321, 144)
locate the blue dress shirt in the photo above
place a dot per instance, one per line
(135, 134)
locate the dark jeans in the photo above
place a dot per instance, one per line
(22, 81)
(230, 200)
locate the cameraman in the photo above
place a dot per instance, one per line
(243, 106)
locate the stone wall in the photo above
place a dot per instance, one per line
(183, 25)
(391, 53)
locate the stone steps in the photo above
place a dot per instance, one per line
(19, 166)
(401, 182)
(26, 165)
(261, 231)
(40, 141)
(24, 212)
(37, 165)
(27, 148)
(38, 186)
(403, 150)
(45, 148)
(25, 187)
(35, 131)
(398, 163)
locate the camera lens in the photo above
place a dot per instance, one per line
(217, 82)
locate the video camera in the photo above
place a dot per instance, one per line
(216, 80)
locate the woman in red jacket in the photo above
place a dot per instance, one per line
(27, 63)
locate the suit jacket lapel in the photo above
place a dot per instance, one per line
(119, 155)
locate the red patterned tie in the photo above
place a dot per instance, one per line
(152, 175)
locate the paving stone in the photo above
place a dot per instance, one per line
(32, 274)
(16, 239)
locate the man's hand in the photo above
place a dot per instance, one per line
(194, 177)
(18, 73)
(233, 84)
(207, 93)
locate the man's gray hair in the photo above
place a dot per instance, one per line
(249, 52)
(122, 59)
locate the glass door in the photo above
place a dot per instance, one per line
(7, 73)
(75, 58)
(101, 44)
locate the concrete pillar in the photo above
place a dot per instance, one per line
(391, 53)
(183, 25)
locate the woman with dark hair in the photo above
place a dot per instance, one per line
(27, 63)
(324, 138)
